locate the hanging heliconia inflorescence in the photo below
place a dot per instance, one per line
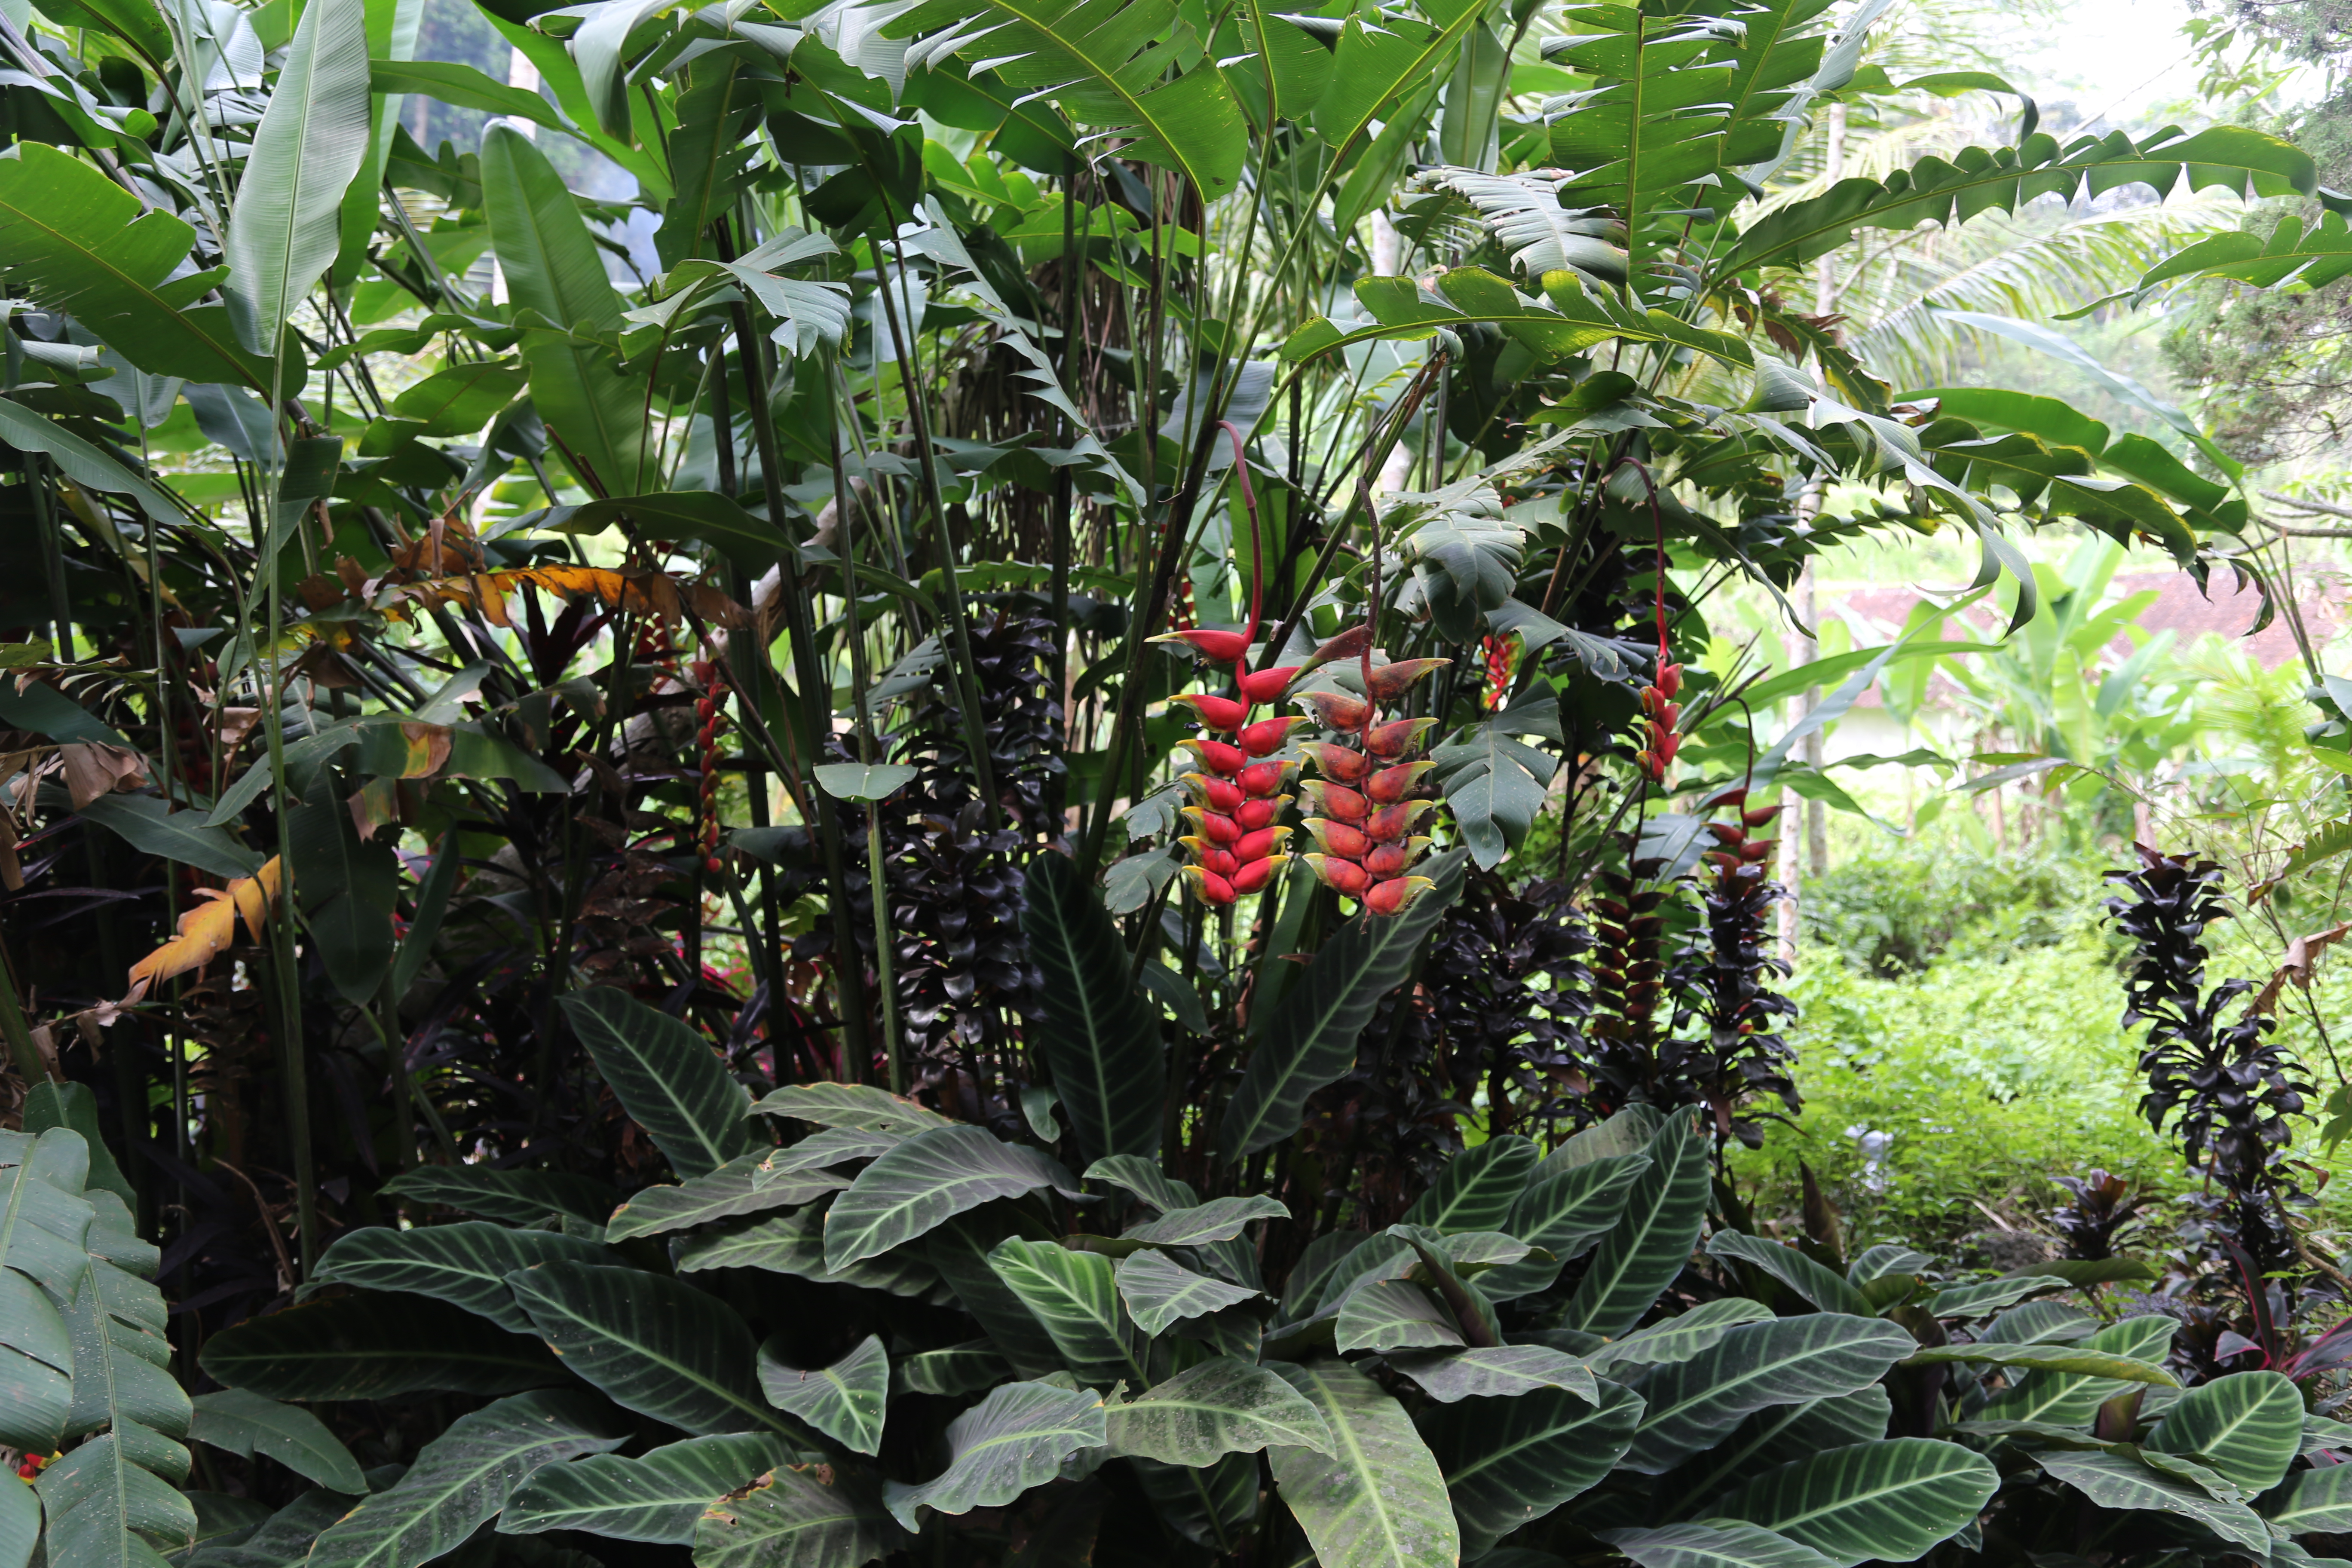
(1369, 800)
(1502, 656)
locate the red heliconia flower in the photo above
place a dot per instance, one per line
(1660, 715)
(1267, 685)
(1254, 815)
(1219, 715)
(1268, 736)
(1367, 812)
(1262, 780)
(1217, 757)
(1215, 646)
(1502, 655)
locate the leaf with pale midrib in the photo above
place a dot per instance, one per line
(1890, 1501)
(375, 1347)
(843, 1401)
(465, 1476)
(663, 1074)
(465, 1265)
(1219, 1407)
(927, 1181)
(655, 1345)
(1100, 1036)
(1789, 1360)
(238, 1421)
(1377, 1500)
(810, 1516)
(1014, 1439)
(658, 1495)
(735, 1188)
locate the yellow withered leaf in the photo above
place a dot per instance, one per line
(206, 931)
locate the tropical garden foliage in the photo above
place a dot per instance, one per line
(658, 897)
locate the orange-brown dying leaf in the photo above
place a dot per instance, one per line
(206, 931)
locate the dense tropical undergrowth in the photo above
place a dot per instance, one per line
(999, 830)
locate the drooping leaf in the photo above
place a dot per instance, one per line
(1495, 1372)
(652, 1345)
(1159, 1291)
(927, 1181)
(795, 1244)
(374, 1347)
(1310, 1036)
(851, 1105)
(663, 1074)
(2317, 1501)
(1220, 1407)
(1394, 1314)
(961, 1251)
(801, 1516)
(2119, 1480)
(1766, 1439)
(1652, 1239)
(80, 244)
(147, 825)
(511, 1198)
(1679, 1339)
(1101, 1036)
(1788, 1361)
(241, 1422)
(465, 1475)
(737, 1187)
(1014, 1439)
(2070, 1399)
(1890, 1501)
(1510, 1461)
(2077, 1359)
(1218, 1219)
(1722, 1543)
(2248, 1425)
(1377, 1500)
(843, 1401)
(465, 1265)
(658, 1495)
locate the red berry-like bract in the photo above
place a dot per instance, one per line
(1367, 802)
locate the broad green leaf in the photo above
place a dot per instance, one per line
(1218, 1219)
(1101, 1036)
(1219, 1407)
(514, 1197)
(20, 1525)
(1159, 1291)
(464, 1477)
(78, 243)
(1394, 1314)
(106, 1511)
(1988, 1296)
(735, 1188)
(2315, 1502)
(1310, 1036)
(2055, 422)
(843, 1401)
(347, 887)
(2119, 1480)
(665, 1075)
(464, 87)
(654, 1345)
(928, 1180)
(1495, 782)
(594, 412)
(1889, 1501)
(1105, 68)
(2248, 1425)
(658, 1495)
(1789, 1360)
(959, 1369)
(465, 1265)
(286, 1536)
(286, 224)
(1512, 1461)
(1377, 1499)
(795, 1244)
(1766, 1439)
(1495, 1372)
(801, 1516)
(1651, 1242)
(148, 825)
(1478, 1188)
(93, 467)
(374, 1347)
(1722, 1543)
(44, 1263)
(1075, 1296)
(1014, 1439)
(2079, 1359)
(834, 1146)
(73, 1106)
(1825, 1289)
(1679, 1339)
(2071, 1400)
(1564, 1210)
(704, 515)
(959, 1251)
(241, 1422)
(851, 1105)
